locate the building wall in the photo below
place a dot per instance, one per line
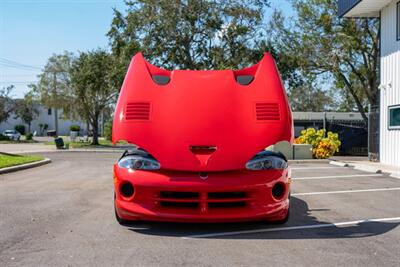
(390, 85)
(43, 118)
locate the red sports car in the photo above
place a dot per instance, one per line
(201, 138)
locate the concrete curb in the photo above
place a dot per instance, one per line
(32, 151)
(95, 150)
(68, 150)
(25, 166)
(302, 161)
(368, 168)
(339, 163)
(395, 175)
(365, 168)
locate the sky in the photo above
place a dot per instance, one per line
(32, 30)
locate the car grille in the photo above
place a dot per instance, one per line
(203, 201)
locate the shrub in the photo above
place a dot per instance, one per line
(29, 136)
(108, 130)
(75, 128)
(20, 128)
(4, 138)
(322, 147)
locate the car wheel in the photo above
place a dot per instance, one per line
(119, 219)
(286, 218)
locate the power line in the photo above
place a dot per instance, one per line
(17, 75)
(17, 67)
(17, 63)
(18, 82)
(13, 64)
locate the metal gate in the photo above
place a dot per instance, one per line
(373, 133)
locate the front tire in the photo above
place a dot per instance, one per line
(286, 218)
(120, 220)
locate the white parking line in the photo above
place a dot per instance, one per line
(335, 176)
(346, 191)
(314, 168)
(300, 227)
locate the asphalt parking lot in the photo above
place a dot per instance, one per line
(61, 214)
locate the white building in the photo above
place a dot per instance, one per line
(389, 13)
(46, 116)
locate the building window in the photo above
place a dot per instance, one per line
(398, 21)
(49, 111)
(394, 117)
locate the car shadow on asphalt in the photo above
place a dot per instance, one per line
(300, 215)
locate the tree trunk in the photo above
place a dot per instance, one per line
(87, 126)
(56, 120)
(95, 128)
(355, 97)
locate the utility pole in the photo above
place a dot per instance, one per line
(55, 108)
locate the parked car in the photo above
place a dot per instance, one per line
(12, 134)
(202, 137)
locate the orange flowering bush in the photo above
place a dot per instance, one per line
(323, 147)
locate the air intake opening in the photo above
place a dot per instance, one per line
(244, 79)
(127, 189)
(236, 204)
(179, 195)
(161, 79)
(278, 190)
(224, 195)
(171, 204)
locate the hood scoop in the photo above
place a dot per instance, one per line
(203, 153)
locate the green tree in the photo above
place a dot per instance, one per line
(194, 34)
(26, 109)
(53, 88)
(309, 96)
(200, 34)
(92, 87)
(7, 104)
(343, 52)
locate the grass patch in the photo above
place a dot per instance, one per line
(18, 142)
(8, 160)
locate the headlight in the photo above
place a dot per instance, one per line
(267, 160)
(138, 162)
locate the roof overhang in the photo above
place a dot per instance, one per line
(361, 8)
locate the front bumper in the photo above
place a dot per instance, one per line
(186, 197)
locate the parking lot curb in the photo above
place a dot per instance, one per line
(25, 166)
(366, 168)
(96, 150)
(301, 161)
(339, 163)
(395, 175)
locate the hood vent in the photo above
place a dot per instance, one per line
(137, 111)
(267, 112)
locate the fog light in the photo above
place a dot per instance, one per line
(278, 190)
(127, 189)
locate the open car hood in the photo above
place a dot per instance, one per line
(202, 120)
